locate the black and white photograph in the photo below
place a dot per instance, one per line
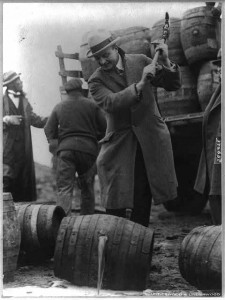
(112, 176)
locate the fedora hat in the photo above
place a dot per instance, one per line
(218, 60)
(100, 40)
(9, 77)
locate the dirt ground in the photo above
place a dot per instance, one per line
(164, 278)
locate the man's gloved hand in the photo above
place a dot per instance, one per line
(13, 120)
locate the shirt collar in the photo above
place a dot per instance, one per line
(119, 65)
(14, 93)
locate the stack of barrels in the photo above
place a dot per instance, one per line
(201, 41)
(193, 43)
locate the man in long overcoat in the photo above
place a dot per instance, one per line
(135, 163)
(77, 123)
(208, 179)
(18, 164)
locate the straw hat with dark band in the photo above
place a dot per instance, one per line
(9, 77)
(100, 40)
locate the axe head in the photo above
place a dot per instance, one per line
(157, 42)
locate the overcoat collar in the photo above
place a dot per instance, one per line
(6, 100)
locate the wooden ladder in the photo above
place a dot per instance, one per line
(66, 73)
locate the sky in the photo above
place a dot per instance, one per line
(32, 31)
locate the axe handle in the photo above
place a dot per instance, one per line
(155, 58)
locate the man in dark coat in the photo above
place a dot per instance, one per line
(18, 164)
(136, 159)
(77, 123)
(209, 172)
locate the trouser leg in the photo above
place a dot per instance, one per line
(87, 193)
(19, 190)
(13, 179)
(86, 182)
(65, 177)
(215, 208)
(142, 193)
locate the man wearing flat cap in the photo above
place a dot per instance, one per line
(208, 179)
(135, 163)
(78, 123)
(18, 164)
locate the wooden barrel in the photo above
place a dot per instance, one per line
(39, 224)
(11, 238)
(128, 252)
(133, 40)
(200, 257)
(208, 81)
(199, 37)
(182, 101)
(175, 49)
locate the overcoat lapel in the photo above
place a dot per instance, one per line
(128, 70)
(112, 77)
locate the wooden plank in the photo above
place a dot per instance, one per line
(185, 117)
(61, 65)
(66, 55)
(69, 73)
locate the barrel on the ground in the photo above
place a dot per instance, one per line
(127, 256)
